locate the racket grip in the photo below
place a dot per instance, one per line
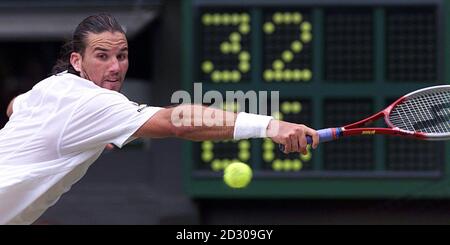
(325, 135)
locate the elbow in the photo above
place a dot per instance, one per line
(9, 110)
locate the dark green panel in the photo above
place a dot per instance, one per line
(332, 63)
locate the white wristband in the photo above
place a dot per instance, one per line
(251, 126)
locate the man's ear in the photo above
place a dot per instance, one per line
(75, 61)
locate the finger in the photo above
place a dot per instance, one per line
(294, 143)
(315, 136)
(303, 143)
(287, 146)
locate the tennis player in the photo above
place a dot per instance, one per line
(61, 126)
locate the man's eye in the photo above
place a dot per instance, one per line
(121, 56)
(102, 56)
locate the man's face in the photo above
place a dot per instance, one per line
(105, 60)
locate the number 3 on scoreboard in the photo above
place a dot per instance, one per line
(219, 61)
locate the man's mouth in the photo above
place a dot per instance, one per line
(112, 80)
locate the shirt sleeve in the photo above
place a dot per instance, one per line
(105, 118)
(17, 101)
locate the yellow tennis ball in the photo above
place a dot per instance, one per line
(237, 175)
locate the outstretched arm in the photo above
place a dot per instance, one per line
(195, 122)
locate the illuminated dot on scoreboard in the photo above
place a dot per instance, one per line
(268, 75)
(244, 56)
(207, 19)
(216, 19)
(235, 76)
(305, 26)
(244, 145)
(277, 18)
(297, 75)
(244, 28)
(235, 37)
(268, 28)
(308, 155)
(287, 75)
(226, 76)
(277, 165)
(287, 164)
(244, 66)
(278, 75)
(216, 76)
(236, 107)
(306, 37)
(287, 56)
(207, 66)
(216, 165)
(235, 48)
(225, 47)
(231, 106)
(226, 19)
(287, 18)
(207, 156)
(277, 115)
(244, 155)
(235, 19)
(286, 107)
(297, 165)
(296, 18)
(268, 145)
(268, 156)
(207, 145)
(296, 107)
(225, 162)
(296, 46)
(278, 65)
(245, 18)
(307, 75)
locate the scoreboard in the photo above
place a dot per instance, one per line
(332, 62)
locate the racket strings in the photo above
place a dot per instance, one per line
(427, 113)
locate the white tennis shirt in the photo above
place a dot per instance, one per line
(57, 130)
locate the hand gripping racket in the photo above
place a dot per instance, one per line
(423, 114)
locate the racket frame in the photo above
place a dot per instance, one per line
(357, 128)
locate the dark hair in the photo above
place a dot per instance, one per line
(93, 24)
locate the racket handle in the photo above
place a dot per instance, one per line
(325, 135)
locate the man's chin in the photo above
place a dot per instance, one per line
(115, 86)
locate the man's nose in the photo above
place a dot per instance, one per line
(114, 65)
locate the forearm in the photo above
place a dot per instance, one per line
(192, 122)
(197, 123)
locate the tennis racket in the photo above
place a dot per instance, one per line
(423, 114)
